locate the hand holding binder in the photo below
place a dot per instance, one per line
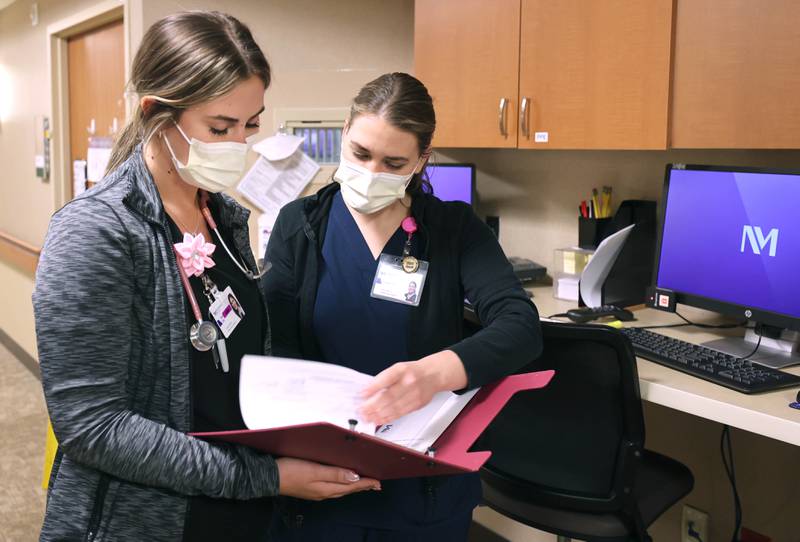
(334, 439)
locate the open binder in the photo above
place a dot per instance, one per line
(383, 460)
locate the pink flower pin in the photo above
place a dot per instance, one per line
(195, 254)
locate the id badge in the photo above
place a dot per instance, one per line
(226, 311)
(393, 283)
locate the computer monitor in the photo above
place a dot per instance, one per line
(730, 243)
(452, 182)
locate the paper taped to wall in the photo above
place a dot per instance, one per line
(270, 185)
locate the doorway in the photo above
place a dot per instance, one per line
(96, 74)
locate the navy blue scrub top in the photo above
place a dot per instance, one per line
(369, 335)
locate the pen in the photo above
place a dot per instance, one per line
(607, 200)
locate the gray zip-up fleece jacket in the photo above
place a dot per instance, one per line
(113, 345)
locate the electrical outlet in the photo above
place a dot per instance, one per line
(694, 525)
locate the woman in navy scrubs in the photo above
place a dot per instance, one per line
(338, 293)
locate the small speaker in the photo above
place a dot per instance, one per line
(661, 299)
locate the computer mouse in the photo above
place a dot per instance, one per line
(624, 315)
(587, 314)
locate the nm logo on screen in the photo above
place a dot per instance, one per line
(753, 236)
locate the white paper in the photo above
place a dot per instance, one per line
(97, 157)
(596, 271)
(78, 177)
(280, 392)
(420, 429)
(279, 146)
(272, 184)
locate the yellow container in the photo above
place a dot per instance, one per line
(571, 261)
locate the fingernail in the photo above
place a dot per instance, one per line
(376, 488)
(353, 477)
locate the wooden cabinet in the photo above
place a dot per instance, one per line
(737, 74)
(595, 75)
(467, 54)
(581, 75)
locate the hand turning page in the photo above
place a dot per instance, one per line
(281, 392)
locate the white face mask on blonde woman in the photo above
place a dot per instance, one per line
(213, 167)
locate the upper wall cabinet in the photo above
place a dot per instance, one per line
(595, 75)
(737, 74)
(569, 74)
(467, 54)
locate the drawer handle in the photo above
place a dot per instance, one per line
(502, 117)
(524, 118)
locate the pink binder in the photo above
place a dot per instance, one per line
(376, 458)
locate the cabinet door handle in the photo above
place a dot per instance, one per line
(502, 117)
(524, 120)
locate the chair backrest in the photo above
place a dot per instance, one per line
(575, 443)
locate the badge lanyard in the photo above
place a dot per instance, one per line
(410, 263)
(203, 334)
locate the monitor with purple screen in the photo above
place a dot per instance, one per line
(452, 182)
(730, 242)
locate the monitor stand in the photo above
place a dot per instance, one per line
(775, 353)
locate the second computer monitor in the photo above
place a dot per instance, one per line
(730, 241)
(452, 182)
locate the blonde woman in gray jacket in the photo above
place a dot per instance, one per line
(137, 338)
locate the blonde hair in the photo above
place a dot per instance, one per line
(186, 59)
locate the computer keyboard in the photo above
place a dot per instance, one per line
(723, 369)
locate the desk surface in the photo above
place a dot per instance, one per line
(766, 414)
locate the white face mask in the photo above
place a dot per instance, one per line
(211, 166)
(368, 192)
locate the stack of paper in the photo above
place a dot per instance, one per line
(280, 392)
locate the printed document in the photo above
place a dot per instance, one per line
(272, 184)
(280, 392)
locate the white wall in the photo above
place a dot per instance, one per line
(321, 52)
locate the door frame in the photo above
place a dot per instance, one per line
(58, 33)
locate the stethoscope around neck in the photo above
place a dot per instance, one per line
(204, 334)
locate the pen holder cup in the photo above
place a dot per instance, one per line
(591, 231)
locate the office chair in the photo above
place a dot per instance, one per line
(569, 459)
